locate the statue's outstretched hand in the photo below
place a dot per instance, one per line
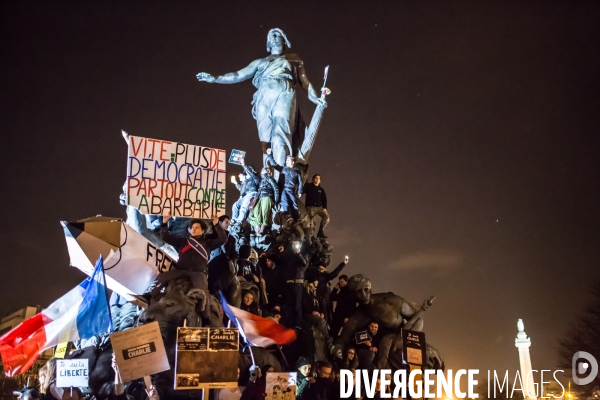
(205, 77)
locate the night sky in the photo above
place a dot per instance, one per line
(460, 150)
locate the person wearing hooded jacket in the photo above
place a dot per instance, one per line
(303, 379)
(268, 196)
(248, 187)
(291, 181)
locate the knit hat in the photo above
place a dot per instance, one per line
(302, 361)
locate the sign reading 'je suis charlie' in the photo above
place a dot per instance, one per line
(185, 180)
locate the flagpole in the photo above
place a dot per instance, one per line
(252, 355)
(239, 326)
(111, 327)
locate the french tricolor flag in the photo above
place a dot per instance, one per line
(82, 313)
(257, 331)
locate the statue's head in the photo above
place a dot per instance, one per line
(277, 39)
(360, 287)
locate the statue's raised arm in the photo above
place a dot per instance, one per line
(308, 87)
(232, 77)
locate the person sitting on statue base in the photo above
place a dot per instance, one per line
(248, 187)
(316, 204)
(291, 180)
(367, 350)
(268, 197)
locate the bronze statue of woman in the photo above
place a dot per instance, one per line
(274, 104)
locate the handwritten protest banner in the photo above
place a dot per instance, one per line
(139, 352)
(73, 372)
(187, 180)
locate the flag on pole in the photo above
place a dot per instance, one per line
(80, 314)
(257, 331)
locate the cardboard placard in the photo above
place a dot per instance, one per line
(281, 385)
(414, 349)
(206, 358)
(237, 156)
(139, 352)
(187, 180)
(72, 373)
(362, 336)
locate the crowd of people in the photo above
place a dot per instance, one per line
(287, 282)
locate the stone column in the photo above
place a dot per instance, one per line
(522, 342)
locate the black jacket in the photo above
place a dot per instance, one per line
(325, 277)
(274, 282)
(228, 248)
(290, 178)
(190, 259)
(322, 389)
(268, 188)
(346, 303)
(315, 195)
(296, 266)
(250, 184)
(375, 339)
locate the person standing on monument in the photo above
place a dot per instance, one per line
(274, 104)
(268, 196)
(291, 180)
(248, 187)
(295, 269)
(316, 204)
(345, 304)
(194, 248)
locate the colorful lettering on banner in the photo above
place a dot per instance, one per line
(184, 179)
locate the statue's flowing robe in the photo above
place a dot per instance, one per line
(274, 105)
